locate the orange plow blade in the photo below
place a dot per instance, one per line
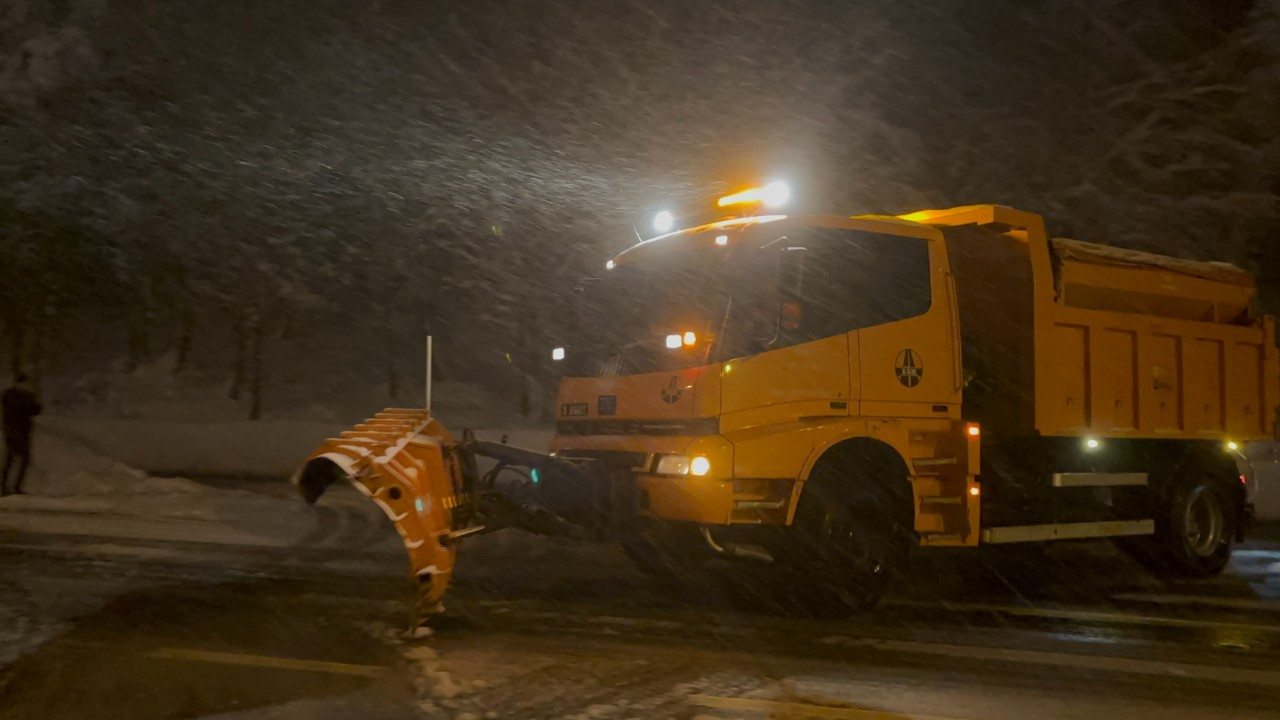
(407, 463)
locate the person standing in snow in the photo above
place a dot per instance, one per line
(20, 409)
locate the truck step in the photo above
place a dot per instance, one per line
(942, 500)
(941, 539)
(1067, 531)
(933, 461)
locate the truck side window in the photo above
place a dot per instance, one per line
(846, 280)
(813, 283)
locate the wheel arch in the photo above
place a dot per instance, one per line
(865, 457)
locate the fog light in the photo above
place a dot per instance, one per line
(699, 466)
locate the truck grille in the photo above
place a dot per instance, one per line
(614, 458)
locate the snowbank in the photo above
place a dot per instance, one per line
(68, 476)
(154, 393)
(265, 448)
(62, 466)
(233, 448)
(186, 425)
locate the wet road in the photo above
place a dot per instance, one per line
(186, 620)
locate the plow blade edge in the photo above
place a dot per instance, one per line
(407, 463)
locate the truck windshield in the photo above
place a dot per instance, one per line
(625, 318)
(780, 285)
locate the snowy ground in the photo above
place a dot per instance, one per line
(106, 571)
(276, 609)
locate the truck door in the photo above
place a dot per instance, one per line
(907, 334)
(785, 360)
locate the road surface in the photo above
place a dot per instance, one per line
(243, 615)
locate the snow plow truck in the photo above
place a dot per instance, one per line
(825, 394)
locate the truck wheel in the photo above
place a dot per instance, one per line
(1193, 533)
(1198, 529)
(844, 550)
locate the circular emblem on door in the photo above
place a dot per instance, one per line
(671, 393)
(909, 368)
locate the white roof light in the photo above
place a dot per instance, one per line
(557, 354)
(663, 221)
(775, 193)
(722, 239)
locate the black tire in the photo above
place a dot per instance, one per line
(847, 543)
(1194, 531)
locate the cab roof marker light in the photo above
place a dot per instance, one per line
(741, 198)
(774, 194)
(754, 220)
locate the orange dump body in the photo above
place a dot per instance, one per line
(1150, 346)
(1090, 339)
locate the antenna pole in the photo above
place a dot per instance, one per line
(428, 398)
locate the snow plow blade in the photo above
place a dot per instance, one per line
(413, 468)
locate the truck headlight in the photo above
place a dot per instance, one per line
(673, 465)
(683, 465)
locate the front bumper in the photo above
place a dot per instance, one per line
(695, 499)
(707, 499)
(714, 499)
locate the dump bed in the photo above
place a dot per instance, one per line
(1066, 337)
(1154, 346)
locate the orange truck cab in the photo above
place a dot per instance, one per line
(831, 391)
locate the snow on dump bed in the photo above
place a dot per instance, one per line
(1095, 254)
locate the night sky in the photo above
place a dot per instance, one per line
(202, 172)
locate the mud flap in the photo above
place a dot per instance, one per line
(405, 462)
